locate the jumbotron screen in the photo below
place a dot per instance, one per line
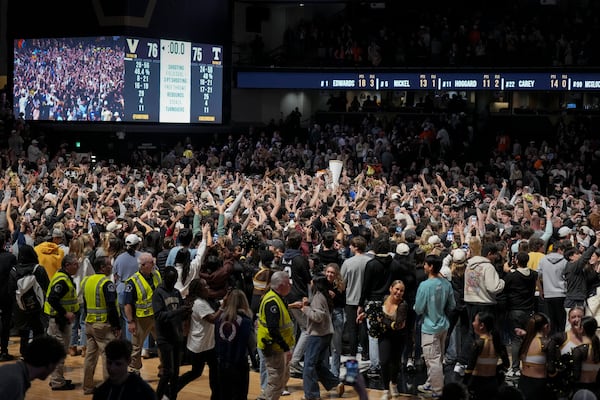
(118, 78)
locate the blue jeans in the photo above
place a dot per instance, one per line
(78, 337)
(316, 367)
(373, 350)
(125, 334)
(299, 325)
(263, 369)
(337, 317)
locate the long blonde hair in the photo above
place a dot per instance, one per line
(88, 242)
(77, 248)
(235, 302)
(474, 246)
(458, 268)
(425, 235)
(338, 281)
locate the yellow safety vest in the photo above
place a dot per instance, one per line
(68, 301)
(286, 327)
(143, 303)
(97, 309)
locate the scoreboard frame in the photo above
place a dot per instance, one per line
(118, 79)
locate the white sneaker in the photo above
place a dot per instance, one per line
(424, 388)
(410, 364)
(296, 369)
(459, 369)
(394, 390)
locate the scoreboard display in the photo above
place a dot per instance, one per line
(172, 81)
(119, 78)
(511, 81)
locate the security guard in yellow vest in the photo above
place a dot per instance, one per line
(138, 306)
(102, 321)
(61, 305)
(275, 335)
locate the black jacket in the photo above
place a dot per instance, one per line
(168, 315)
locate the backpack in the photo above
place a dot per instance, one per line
(29, 294)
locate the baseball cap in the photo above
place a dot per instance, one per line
(564, 231)
(276, 243)
(113, 226)
(458, 255)
(435, 239)
(410, 234)
(50, 197)
(132, 240)
(402, 249)
(584, 394)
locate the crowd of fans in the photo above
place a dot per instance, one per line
(440, 34)
(411, 187)
(512, 227)
(400, 185)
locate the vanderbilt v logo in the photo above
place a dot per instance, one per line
(132, 44)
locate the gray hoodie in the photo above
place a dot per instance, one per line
(551, 270)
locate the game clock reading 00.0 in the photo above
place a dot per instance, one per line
(173, 81)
